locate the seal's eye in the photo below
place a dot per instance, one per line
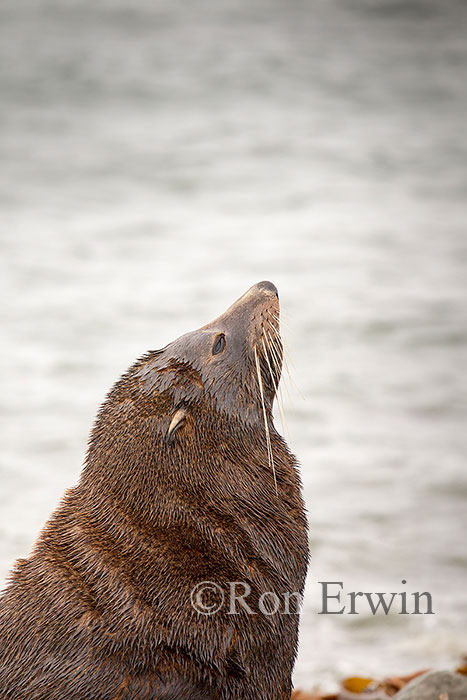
(219, 344)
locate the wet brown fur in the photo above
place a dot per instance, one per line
(101, 609)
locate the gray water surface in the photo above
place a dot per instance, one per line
(158, 158)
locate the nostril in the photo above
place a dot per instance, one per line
(268, 286)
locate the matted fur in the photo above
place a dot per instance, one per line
(101, 609)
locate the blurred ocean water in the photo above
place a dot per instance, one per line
(157, 158)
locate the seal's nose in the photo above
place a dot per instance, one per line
(268, 287)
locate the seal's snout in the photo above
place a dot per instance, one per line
(261, 295)
(267, 287)
(245, 341)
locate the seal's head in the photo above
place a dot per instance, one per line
(234, 362)
(226, 372)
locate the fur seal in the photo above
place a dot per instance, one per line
(185, 481)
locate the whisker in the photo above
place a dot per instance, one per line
(276, 387)
(281, 341)
(286, 356)
(279, 362)
(282, 321)
(276, 353)
(276, 332)
(266, 426)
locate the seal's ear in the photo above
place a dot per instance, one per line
(178, 419)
